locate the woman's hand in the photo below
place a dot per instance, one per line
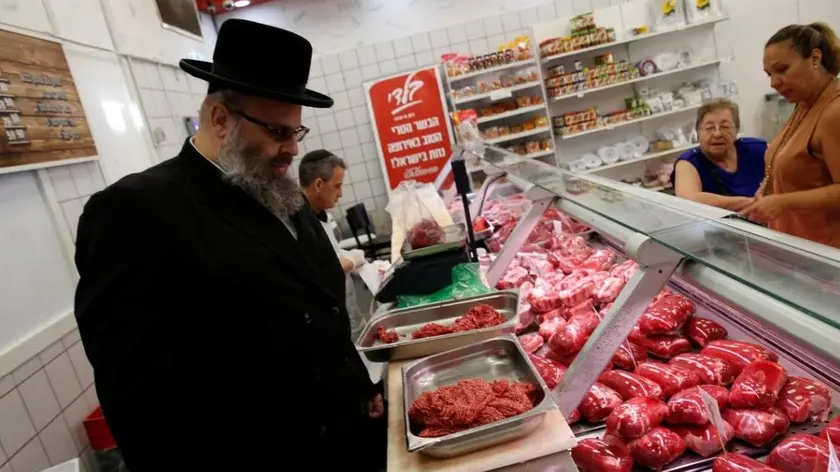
(741, 203)
(766, 209)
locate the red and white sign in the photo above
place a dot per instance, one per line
(411, 125)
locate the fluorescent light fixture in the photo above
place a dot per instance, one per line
(241, 3)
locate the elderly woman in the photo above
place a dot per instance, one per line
(801, 191)
(725, 171)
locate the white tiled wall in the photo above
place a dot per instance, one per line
(73, 185)
(42, 406)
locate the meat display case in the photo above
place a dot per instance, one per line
(762, 286)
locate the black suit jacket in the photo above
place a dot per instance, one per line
(216, 338)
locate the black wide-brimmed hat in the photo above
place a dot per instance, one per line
(260, 60)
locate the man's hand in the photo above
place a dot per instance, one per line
(357, 257)
(376, 408)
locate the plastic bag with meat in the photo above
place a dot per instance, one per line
(425, 233)
(531, 342)
(574, 335)
(738, 463)
(586, 307)
(630, 385)
(705, 440)
(687, 407)
(712, 370)
(832, 430)
(758, 385)
(514, 277)
(667, 347)
(635, 417)
(599, 402)
(561, 312)
(550, 327)
(671, 377)
(602, 259)
(657, 448)
(525, 320)
(702, 331)
(543, 298)
(577, 294)
(552, 373)
(629, 356)
(625, 270)
(805, 400)
(666, 316)
(595, 455)
(739, 353)
(567, 264)
(757, 427)
(800, 453)
(576, 245)
(609, 289)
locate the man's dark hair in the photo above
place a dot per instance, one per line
(318, 164)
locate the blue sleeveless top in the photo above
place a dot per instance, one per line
(744, 182)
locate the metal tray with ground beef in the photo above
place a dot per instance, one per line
(494, 361)
(400, 327)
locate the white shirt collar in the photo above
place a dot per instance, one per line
(192, 143)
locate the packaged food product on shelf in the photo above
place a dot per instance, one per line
(595, 455)
(688, 407)
(635, 417)
(757, 427)
(657, 448)
(705, 440)
(584, 33)
(804, 399)
(800, 453)
(518, 50)
(758, 385)
(740, 463)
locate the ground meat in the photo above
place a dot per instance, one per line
(387, 336)
(477, 317)
(468, 404)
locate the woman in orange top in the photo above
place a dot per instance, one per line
(800, 194)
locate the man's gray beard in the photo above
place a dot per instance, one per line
(244, 167)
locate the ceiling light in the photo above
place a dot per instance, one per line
(241, 3)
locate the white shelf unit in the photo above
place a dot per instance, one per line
(705, 63)
(479, 100)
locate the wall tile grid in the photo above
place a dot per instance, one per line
(73, 185)
(42, 406)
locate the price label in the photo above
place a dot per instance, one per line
(714, 414)
(500, 94)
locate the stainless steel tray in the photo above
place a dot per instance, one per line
(455, 237)
(407, 320)
(493, 359)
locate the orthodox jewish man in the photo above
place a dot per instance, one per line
(211, 304)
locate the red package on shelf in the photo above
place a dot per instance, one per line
(595, 455)
(712, 370)
(629, 356)
(543, 298)
(576, 294)
(609, 289)
(574, 335)
(567, 264)
(625, 270)
(705, 440)
(667, 347)
(832, 431)
(805, 400)
(800, 453)
(671, 377)
(657, 448)
(739, 353)
(584, 308)
(758, 386)
(757, 427)
(637, 337)
(687, 407)
(525, 320)
(514, 277)
(702, 331)
(531, 342)
(550, 371)
(602, 259)
(599, 402)
(666, 316)
(549, 327)
(555, 313)
(730, 462)
(630, 385)
(635, 417)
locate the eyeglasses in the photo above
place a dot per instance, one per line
(281, 132)
(724, 128)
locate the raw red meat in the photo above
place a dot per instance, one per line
(543, 298)
(549, 327)
(531, 342)
(595, 455)
(430, 330)
(577, 245)
(630, 385)
(477, 317)
(514, 277)
(609, 289)
(800, 453)
(667, 347)
(599, 402)
(738, 463)
(586, 307)
(526, 319)
(687, 407)
(625, 270)
(738, 353)
(636, 336)
(551, 371)
(657, 448)
(712, 370)
(805, 400)
(758, 386)
(757, 427)
(561, 312)
(468, 404)
(666, 316)
(665, 292)
(574, 335)
(577, 293)
(602, 259)
(629, 356)
(671, 377)
(567, 264)
(425, 233)
(387, 336)
(635, 417)
(704, 439)
(702, 331)
(832, 431)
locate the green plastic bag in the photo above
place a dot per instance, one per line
(466, 282)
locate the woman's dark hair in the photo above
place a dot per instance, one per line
(805, 38)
